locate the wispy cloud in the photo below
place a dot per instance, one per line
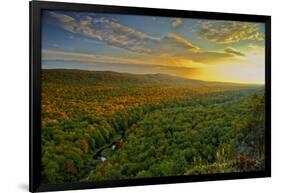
(54, 55)
(228, 32)
(122, 36)
(171, 49)
(108, 31)
(178, 41)
(234, 51)
(175, 22)
(209, 57)
(61, 59)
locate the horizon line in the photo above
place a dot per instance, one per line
(213, 81)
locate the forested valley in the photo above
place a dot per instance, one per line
(108, 125)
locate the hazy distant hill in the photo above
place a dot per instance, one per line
(91, 78)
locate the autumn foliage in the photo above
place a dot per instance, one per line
(107, 125)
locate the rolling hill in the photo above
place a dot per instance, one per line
(110, 78)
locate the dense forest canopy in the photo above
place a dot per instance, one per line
(100, 125)
(135, 96)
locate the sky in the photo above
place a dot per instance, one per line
(210, 50)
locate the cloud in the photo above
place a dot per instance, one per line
(171, 49)
(212, 57)
(62, 59)
(234, 51)
(107, 31)
(121, 36)
(123, 68)
(185, 59)
(179, 42)
(229, 32)
(256, 46)
(175, 22)
(54, 55)
(62, 17)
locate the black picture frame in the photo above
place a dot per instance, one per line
(36, 8)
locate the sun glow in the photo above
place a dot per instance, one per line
(232, 73)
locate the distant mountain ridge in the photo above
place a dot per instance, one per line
(91, 78)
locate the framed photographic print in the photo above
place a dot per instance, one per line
(124, 96)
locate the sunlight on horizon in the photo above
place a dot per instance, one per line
(225, 51)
